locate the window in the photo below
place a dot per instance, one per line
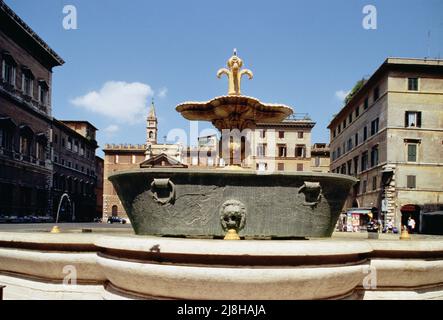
(366, 103)
(300, 134)
(338, 152)
(374, 183)
(8, 69)
(413, 84)
(281, 134)
(334, 155)
(413, 119)
(344, 124)
(299, 166)
(261, 150)
(317, 162)
(364, 161)
(374, 156)
(357, 111)
(349, 167)
(262, 134)
(43, 93)
(374, 126)
(300, 151)
(63, 162)
(365, 133)
(350, 146)
(82, 149)
(376, 93)
(25, 145)
(76, 146)
(350, 118)
(356, 139)
(334, 133)
(40, 150)
(281, 167)
(69, 145)
(411, 182)
(355, 165)
(27, 82)
(55, 159)
(63, 142)
(339, 128)
(5, 139)
(282, 150)
(343, 169)
(261, 166)
(412, 153)
(364, 186)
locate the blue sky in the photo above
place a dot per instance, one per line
(302, 53)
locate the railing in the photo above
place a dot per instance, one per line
(299, 116)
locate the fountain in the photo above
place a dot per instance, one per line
(232, 203)
(56, 229)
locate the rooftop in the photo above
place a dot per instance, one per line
(390, 64)
(15, 27)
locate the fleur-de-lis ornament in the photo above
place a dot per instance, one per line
(234, 73)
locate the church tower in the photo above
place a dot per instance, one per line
(151, 127)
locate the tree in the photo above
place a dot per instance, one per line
(354, 90)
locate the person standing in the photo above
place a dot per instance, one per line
(411, 225)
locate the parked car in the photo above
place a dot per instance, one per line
(116, 220)
(98, 220)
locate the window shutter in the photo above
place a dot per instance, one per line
(412, 152)
(419, 119)
(406, 119)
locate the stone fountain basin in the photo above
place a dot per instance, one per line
(188, 202)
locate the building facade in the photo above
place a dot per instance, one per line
(390, 136)
(25, 118)
(121, 157)
(284, 146)
(74, 170)
(99, 171)
(320, 157)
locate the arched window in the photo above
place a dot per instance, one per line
(151, 134)
(114, 211)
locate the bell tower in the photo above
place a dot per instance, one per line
(151, 126)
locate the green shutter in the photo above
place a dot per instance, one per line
(412, 152)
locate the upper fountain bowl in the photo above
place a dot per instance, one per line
(234, 112)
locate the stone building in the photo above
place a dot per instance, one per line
(284, 146)
(390, 136)
(25, 118)
(74, 169)
(320, 157)
(120, 157)
(99, 171)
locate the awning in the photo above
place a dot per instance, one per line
(410, 208)
(359, 211)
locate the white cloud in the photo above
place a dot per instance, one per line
(111, 129)
(163, 92)
(341, 94)
(121, 101)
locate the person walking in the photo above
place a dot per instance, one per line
(411, 225)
